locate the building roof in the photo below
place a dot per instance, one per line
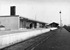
(53, 23)
(10, 16)
(31, 20)
(23, 18)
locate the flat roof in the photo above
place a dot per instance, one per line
(10, 16)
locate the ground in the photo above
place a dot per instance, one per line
(54, 40)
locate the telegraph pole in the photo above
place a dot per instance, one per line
(60, 19)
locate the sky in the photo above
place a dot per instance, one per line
(41, 10)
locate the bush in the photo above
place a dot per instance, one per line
(67, 28)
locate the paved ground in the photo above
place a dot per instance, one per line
(54, 40)
(28, 44)
(59, 41)
(4, 32)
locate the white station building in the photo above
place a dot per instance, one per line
(13, 21)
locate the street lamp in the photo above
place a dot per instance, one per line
(60, 19)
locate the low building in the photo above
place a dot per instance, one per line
(54, 24)
(14, 21)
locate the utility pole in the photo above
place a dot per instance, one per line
(60, 19)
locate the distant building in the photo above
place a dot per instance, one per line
(54, 24)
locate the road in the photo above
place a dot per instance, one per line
(54, 40)
(59, 41)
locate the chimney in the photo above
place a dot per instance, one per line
(12, 10)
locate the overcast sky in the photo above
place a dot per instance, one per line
(44, 10)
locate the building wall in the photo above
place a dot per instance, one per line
(24, 24)
(10, 22)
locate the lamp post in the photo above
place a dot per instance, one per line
(60, 19)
